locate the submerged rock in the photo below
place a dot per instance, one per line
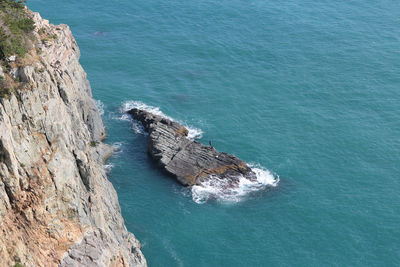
(190, 162)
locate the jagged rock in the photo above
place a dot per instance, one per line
(190, 162)
(86, 252)
(57, 206)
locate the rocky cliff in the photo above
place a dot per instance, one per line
(56, 205)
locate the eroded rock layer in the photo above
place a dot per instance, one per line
(56, 205)
(190, 162)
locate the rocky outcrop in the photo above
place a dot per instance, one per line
(56, 205)
(190, 162)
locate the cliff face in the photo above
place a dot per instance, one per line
(56, 205)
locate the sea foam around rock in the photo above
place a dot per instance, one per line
(215, 188)
(222, 191)
(194, 133)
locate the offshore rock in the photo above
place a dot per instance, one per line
(57, 207)
(190, 162)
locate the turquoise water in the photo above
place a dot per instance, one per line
(306, 89)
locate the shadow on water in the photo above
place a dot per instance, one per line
(137, 152)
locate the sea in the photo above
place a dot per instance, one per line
(307, 92)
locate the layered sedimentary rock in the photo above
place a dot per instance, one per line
(56, 205)
(190, 162)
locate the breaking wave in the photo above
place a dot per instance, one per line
(100, 106)
(220, 189)
(117, 146)
(117, 149)
(108, 167)
(194, 133)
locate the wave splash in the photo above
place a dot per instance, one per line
(194, 133)
(221, 190)
(117, 149)
(100, 107)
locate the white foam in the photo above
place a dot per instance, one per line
(194, 133)
(221, 190)
(108, 167)
(117, 147)
(124, 117)
(128, 105)
(100, 106)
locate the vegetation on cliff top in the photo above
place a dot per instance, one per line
(16, 37)
(15, 28)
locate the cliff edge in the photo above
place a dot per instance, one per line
(57, 207)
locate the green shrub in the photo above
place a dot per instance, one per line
(15, 30)
(12, 46)
(20, 25)
(4, 4)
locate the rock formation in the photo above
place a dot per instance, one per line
(57, 207)
(190, 162)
